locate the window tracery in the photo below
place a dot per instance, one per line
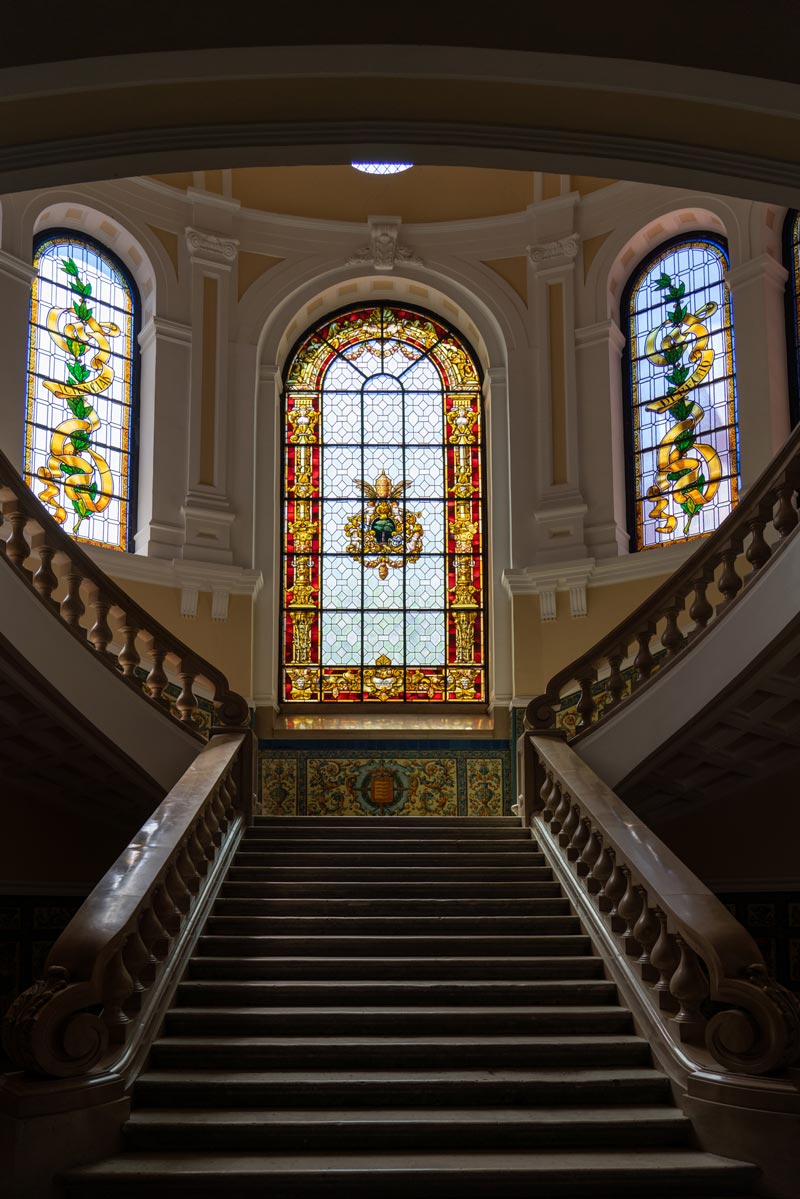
(383, 512)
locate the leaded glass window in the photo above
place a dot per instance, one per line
(383, 517)
(82, 356)
(791, 235)
(683, 457)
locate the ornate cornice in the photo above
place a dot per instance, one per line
(383, 251)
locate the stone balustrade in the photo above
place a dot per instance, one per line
(675, 617)
(145, 655)
(102, 975)
(696, 967)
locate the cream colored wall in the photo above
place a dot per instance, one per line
(541, 648)
(227, 644)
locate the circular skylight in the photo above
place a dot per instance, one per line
(382, 168)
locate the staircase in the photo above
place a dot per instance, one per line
(380, 1007)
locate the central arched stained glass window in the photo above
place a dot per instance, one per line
(383, 517)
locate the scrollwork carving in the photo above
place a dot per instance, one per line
(46, 1032)
(763, 1034)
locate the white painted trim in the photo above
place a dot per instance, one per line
(236, 580)
(603, 572)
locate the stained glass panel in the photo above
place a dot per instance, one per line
(383, 528)
(682, 393)
(80, 389)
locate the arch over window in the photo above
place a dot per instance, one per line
(681, 419)
(383, 512)
(791, 244)
(80, 425)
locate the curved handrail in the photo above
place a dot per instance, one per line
(102, 970)
(29, 533)
(685, 945)
(771, 501)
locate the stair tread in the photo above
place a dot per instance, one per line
(342, 1040)
(417, 1115)
(388, 1011)
(575, 1076)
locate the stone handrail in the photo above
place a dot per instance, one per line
(102, 973)
(151, 660)
(698, 968)
(765, 518)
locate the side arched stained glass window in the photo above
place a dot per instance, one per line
(383, 518)
(82, 355)
(683, 459)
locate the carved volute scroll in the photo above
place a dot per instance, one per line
(682, 946)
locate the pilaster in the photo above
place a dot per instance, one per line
(757, 293)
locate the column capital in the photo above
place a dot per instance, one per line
(561, 253)
(211, 249)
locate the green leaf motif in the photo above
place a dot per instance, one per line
(82, 311)
(664, 281)
(674, 475)
(69, 267)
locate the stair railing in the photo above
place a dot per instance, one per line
(150, 659)
(693, 967)
(659, 630)
(110, 973)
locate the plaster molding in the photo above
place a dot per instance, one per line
(189, 600)
(582, 574)
(561, 252)
(17, 269)
(602, 333)
(210, 248)
(383, 250)
(763, 269)
(158, 328)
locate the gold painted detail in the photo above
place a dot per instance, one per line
(461, 683)
(383, 681)
(303, 418)
(382, 786)
(426, 684)
(688, 472)
(386, 534)
(341, 682)
(304, 683)
(72, 463)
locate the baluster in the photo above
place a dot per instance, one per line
(155, 938)
(219, 809)
(561, 812)
(45, 580)
(664, 957)
(579, 840)
(603, 868)
(616, 682)
(17, 548)
(552, 802)
(72, 606)
(672, 638)
(569, 826)
(186, 702)
(128, 657)
(157, 681)
(758, 552)
(212, 823)
(646, 932)
(2, 539)
(586, 704)
(166, 911)
(100, 633)
(644, 659)
(228, 790)
(629, 908)
(187, 871)
(785, 518)
(196, 852)
(591, 852)
(701, 610)
(613, 891)
(689, 987)
(204, 838)
(136, 958)
(729, 582)
(545, 791)
(117, 989)
(178, 891)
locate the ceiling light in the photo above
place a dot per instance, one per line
(382, 168)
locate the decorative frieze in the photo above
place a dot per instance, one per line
(383, 251)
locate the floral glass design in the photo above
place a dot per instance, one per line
(383, 516)
(680, 368)
(80, 389)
